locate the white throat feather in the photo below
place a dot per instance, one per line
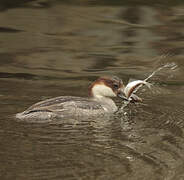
(101, 90)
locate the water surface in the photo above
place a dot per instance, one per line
(53, 49)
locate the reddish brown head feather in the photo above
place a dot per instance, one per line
(113, 82)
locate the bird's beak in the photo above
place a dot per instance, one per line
(122, 95)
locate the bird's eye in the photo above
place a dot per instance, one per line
(115, 86)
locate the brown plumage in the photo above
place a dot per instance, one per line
(113, 82)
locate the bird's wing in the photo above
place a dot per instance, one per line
(64, 103)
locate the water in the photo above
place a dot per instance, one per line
(54, 48)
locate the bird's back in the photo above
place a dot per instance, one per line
(63, 106)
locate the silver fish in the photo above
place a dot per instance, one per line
(132, 87)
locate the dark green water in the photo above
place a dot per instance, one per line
(54, 48)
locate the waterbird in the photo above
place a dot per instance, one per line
(99, 102)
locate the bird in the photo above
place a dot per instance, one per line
(99, 102)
